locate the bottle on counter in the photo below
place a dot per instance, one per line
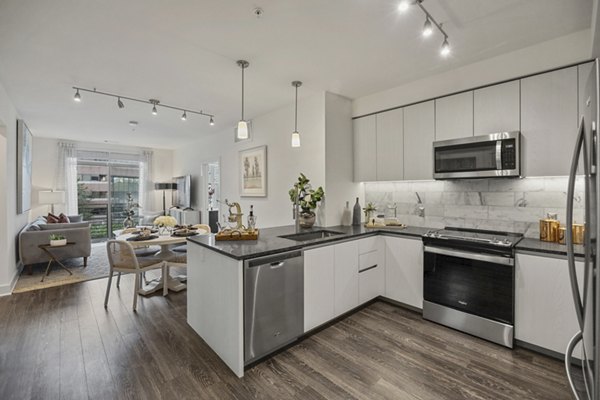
(251, 219)
(356, 214)
(347, 215)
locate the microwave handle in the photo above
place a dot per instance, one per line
(499, 155)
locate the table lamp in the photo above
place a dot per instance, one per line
(164, 187)
(51, 197)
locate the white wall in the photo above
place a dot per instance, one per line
(284, 163)
(45, 159)
(10, 222)
(542, 56)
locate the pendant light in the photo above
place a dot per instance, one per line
(77, 97)
(242, 128)
(296, 134)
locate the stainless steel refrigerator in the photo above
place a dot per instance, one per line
(584, 375)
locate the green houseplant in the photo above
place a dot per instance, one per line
(57, 240)
(308, 200)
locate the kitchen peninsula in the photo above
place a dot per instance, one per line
(343, 268)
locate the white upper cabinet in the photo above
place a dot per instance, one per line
(419, 131)
(454, 116)
(497, 109)
(549, 122)
(390, 145)
(365, 149)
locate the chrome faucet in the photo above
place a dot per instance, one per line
(296, 211)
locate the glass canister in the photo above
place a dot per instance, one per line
(549, 228)
(578, 233)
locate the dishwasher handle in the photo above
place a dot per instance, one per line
(274, 261)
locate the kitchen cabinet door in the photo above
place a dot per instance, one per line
(318, 286)
(390, 146)
(454, 116)
(549, 122)
(371, 263)
(544, 310)
(346, 277)
(371, 283)
(404, 271)
(365, 149)
(497, 108)
(419, 132)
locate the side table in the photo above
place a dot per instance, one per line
(46, 248)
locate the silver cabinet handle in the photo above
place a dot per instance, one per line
(470, 256)
(499, 155)
(276, 265)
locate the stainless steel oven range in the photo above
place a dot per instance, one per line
(469, 279)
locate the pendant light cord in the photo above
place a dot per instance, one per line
(296, 112)
(243, 68)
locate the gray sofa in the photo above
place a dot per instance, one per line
(38, 232)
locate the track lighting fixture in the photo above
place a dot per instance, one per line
(155, 103)
(429, 23)
(427, 28)
(212, 121)
(296, 134)
(242, 127)
(403, 5)
(445, 50)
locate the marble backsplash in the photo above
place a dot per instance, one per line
(514, 205)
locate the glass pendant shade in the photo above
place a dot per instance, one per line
(295, 139)
(242, 130)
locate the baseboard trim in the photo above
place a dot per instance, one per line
(6, 290)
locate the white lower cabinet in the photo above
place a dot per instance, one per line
(318, 286)
(404, 271)
(371, 267)
(345, 277)
(544, 310)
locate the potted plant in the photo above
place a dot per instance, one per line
(307, 198)
(165, 223)
(369, 210)
(57, 240)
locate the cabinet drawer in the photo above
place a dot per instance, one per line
(368, 245)
(368, 260)
(371, 283)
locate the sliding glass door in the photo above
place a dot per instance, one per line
(102, 193)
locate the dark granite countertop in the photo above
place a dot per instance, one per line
(269, 241)
(537, 246)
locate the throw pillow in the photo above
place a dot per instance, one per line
(63, 219)
(52, 219)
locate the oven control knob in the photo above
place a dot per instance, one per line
(506, 242)
(494, 240)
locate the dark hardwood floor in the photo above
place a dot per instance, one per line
(60, 343)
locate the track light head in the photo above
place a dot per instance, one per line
(184, 116)
(427, 28)
(445, 50)
(212, 121)
(154, 110)
(403, 5)
(120, 103)
(77, 97)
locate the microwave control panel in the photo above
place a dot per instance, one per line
(509, 154)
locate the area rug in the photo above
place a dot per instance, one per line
(97, 268)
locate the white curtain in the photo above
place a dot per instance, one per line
(66, 175)
(146, 194)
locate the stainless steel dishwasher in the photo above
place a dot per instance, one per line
(273, 303)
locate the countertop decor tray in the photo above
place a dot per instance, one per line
(237, 235)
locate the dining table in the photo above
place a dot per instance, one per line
(174, 283)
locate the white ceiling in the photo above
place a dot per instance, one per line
(183, 52)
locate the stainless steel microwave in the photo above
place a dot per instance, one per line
(497, 155)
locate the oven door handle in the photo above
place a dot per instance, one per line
(499, 155)
(470, 256)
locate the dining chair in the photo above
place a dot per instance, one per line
(122, 259)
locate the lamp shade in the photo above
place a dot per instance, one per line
(164, 186)
(51, 197)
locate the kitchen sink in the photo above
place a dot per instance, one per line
(313, 235)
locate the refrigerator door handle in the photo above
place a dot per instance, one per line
(569, 231)
(569, 359)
